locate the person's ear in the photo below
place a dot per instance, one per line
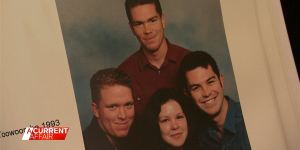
(95, 109)
(221, 78)
(186, 92)
(131, 28)
(163, 21)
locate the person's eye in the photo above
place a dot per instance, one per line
(129, 105)
(194, 88)
(153, 20)
(136, 24)
(112, 107)
(181, 116)
(210, 82)
(163, 120)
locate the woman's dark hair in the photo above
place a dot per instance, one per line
(151, 126)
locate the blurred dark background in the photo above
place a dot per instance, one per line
(291, 11)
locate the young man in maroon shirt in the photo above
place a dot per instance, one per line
(156, 63)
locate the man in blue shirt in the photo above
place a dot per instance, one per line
(203, 82)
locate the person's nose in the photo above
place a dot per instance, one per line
(206, 91)
(174, 125)
(122, 114)
(147, 28)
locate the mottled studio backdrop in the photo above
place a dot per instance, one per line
(97, 36)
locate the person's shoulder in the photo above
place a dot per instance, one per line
(177, 52)
(89, 132)
(94, 138)
(88, 138)
(235, 108)
(233, 102)
(178, 49)
(240, 124)
(128, 63)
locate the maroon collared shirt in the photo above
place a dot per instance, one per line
(146, 78)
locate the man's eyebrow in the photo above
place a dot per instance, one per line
(154, 17)
(195, 84)
(109, 105)
(131, 102)
(136, 21)
(198, 84)
(212, 77)
(139, 21)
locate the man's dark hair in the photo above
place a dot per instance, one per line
(194, 60)
(107, 77)
(129, 4)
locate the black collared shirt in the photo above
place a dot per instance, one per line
(95, 138)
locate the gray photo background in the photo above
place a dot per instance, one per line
(97, 36)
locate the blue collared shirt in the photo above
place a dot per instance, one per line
(235, 135)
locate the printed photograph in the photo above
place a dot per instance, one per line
(152, 74)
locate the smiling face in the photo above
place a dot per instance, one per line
(115, 111)
(206, 88)
(173, 124)
(148, 26)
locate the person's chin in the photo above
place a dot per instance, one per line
(122, 134)
(177, 144)
(213, 111)
(177, 140)
(151, 48)
(151, 45)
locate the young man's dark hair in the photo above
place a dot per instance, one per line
(194, 60)
(132, 3)
(107, 77)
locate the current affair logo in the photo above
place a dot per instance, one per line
(45, 133)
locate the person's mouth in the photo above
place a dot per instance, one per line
(209, 101)
(122, 126)
(149, 39)
(176, 135)
(121, 123)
